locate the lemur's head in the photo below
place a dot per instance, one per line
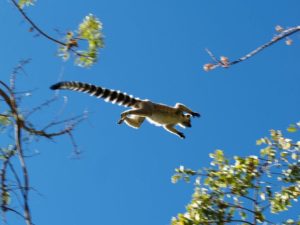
(186, 119)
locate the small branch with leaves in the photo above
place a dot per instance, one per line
(224, 61)
(90, 31)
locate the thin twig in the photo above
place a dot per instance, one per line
(19, 183)
(44, 104)
(75, 146)
(35, 26)
(16, 70)
(241, 207)
(75, 118)
(212, 56)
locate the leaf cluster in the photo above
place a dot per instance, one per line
(90, 30)
(245, 190)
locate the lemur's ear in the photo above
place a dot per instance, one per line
(194, 114)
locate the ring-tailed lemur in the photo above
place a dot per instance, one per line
(158, 114)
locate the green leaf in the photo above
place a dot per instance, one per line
(6, 198)
(259, 217)
(4, 120)
(283, 154)
(260, 141)
(243, 215)
(292, 128)
(23, 3)
(294, 156)
(175, 178)
(269, 191)
(290, 221)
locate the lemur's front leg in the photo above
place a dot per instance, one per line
(172, 129)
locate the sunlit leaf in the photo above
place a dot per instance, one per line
(4, 120)
(294, 156)
(292, 128)
(23, 3)
(6, 198)
(290, 222)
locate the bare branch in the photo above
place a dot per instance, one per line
(35, 26)
(20, 125)
(225, 63)
(18, 132)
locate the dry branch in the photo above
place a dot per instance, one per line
(225, 63)
(21, 126)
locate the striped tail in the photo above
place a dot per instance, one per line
(99, 92)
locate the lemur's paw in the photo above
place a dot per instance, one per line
(181, 135)
(121, 121)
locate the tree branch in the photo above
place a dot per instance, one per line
(20, 125)
(27, 215)
(4, 190)
(41, 32)
(35, 26)
(225, 63)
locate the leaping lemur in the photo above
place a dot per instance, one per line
(158, 114)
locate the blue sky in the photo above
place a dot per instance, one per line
(155, 50)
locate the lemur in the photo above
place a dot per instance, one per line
(158, 114)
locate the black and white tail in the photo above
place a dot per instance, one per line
(99, 92)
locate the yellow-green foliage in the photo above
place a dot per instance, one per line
(23, 3)
(245, 189)
(90, 31)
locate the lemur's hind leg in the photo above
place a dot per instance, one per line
(134, 121)
(134, 112)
